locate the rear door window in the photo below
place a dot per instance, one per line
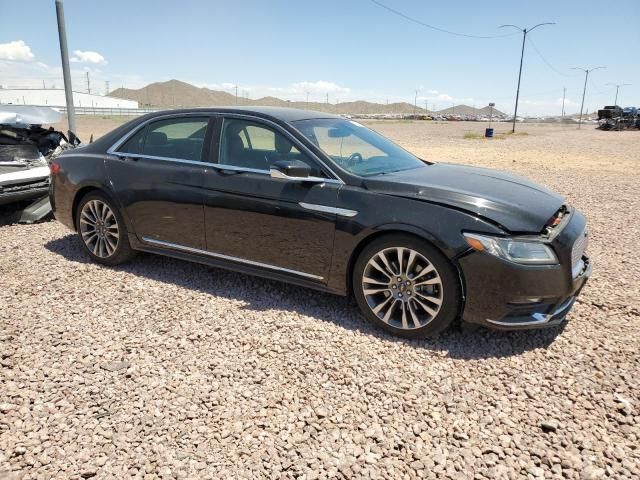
(179, 138)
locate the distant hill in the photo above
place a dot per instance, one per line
(174, 93)
(467, 110)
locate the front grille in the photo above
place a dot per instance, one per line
(21, 187)
(579, 248)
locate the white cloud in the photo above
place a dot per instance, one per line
(294, 91)
(321, 86)
(16, 50)
(87, 56)
(33, 74)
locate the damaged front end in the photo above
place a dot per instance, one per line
(26, 150)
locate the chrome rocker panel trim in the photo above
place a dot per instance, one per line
(221, 256)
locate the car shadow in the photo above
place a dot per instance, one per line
(260, 294)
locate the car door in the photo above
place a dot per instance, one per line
(281, 225)
(157, 173)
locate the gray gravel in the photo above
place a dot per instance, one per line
(165, 369)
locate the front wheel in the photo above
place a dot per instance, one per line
(102, 230)
(406, 286)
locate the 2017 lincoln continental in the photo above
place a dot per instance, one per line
(324, 202)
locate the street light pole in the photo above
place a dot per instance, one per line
(584, 90)
(618, 85)
(66, 72)
(524, 39)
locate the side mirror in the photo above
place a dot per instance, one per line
(290, 170)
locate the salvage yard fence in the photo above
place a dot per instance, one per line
(106, 111)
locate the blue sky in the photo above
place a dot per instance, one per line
(350, 49)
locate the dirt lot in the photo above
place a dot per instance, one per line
(164, 369)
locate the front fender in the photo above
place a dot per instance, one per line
(379, 214)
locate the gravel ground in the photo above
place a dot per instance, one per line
(165, 369)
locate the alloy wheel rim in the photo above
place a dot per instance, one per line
(402, 288)
(99, 228)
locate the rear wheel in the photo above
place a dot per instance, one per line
(102, 230)
(406, 286)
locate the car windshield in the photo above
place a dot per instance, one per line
(356, 148)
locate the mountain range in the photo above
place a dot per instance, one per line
(175, 93)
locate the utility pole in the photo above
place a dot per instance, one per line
(327, 99)
(618, 85)
(88, 83)
(106, 88)
(66, 73)
(524, 38)
(584, 90)
(564, 93)
(44, 86)
(426, 106)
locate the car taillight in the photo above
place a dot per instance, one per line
(54, 168)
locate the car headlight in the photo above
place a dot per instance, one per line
(517, 251)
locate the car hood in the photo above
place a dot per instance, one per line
(513, 202)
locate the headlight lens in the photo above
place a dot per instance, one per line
(517, 251)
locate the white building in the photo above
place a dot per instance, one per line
(54, 97)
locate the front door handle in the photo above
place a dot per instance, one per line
(126, 156)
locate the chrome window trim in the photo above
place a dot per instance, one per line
(295, 142)
(221, 256)
(219, 166)
(166, 159)
(277, 174)
(222, 166)
(326, 209)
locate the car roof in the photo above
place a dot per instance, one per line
(284, 114)
(277, 114)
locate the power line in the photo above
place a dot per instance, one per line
(599, 90)
(547, 62)
(438, 29)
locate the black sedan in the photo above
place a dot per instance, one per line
(324, 202)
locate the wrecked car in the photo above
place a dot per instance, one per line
(324, 202)
(26, 148)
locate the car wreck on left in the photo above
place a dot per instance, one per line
(26, 150)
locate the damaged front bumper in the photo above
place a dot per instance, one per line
(28, 184)
(507, 296)
(26, 149)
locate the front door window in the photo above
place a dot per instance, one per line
(255, 146)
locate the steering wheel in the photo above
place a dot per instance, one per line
(354, 159)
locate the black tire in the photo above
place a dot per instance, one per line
(447, 291)
(112, 253)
